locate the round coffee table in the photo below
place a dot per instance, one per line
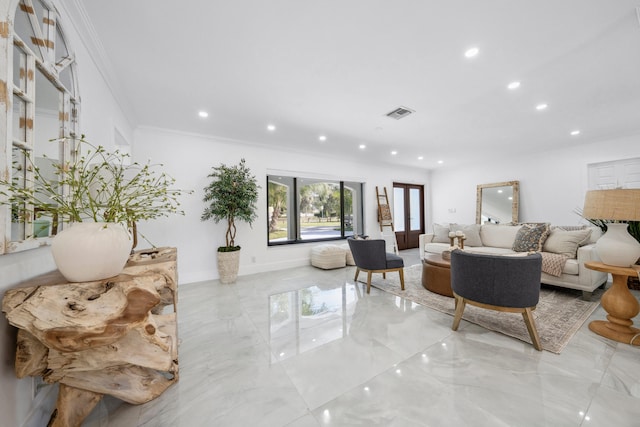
(436, 275)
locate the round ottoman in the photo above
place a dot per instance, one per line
(328, 257)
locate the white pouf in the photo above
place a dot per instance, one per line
(349, 257)
(328, 257)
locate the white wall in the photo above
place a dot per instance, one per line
(189, 159)
(552, 184)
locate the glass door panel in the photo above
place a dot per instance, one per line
(415, 209)
(398, 209)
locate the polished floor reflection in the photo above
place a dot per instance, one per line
(307, 347)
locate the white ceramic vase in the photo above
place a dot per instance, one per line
(617, 247)
(88, 251)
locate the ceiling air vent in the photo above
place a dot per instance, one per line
(399, 113)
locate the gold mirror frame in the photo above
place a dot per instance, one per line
(514, 187)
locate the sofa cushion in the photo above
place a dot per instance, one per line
(498, 236)
(572, 266)
(436, 248)
(566, 242)
(531, 237)
(489, 250)
(471, 233)
(440, 233)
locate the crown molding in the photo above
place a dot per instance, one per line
(76, 15)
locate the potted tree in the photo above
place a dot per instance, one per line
(99, 196)
(231, 196)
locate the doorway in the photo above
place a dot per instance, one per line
(408, 214)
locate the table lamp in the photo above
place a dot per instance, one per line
(616, 247)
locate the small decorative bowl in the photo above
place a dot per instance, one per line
(446, 255)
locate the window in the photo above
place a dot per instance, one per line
(42, 79)
(308, 209)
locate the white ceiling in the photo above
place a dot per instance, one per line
(335, 68)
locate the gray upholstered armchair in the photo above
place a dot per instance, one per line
(502, 283)
(371, 255)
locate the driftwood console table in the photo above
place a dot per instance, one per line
(116, 336)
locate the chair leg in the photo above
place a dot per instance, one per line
(369, 282)
(384, 274)
(460, 303)
(355, 279)
(527, 315)
(401, 272)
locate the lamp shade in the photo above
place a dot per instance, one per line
(616, 247)
(613, 205)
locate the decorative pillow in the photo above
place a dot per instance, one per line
(531, 237)
(596, 233)
(440, 233)
(569, 227)
(566, 242)
(499, 236)
(471, 232)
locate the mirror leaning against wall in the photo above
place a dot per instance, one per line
(497, 203)
(42, 105)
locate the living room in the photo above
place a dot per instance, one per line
(552, 171)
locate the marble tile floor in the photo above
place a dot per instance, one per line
(305, 347)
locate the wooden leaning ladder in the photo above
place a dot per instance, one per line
(387, 232)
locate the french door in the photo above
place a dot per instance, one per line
(408, 214)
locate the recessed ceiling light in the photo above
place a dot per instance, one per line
(470, 53)
(440, 162)
(271, 127)
(203, 114)
(513, 85)
(575, 132)
(362, 146)
(420, 157)
(394, 152)
(322, 138)
(541, 107)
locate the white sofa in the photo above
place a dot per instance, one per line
(577, 247)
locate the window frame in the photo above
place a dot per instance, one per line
(293, 215)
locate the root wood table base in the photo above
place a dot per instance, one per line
(116, 336)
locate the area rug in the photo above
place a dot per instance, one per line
(558, 316)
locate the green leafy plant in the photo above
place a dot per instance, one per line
(98, 186)
(231, 195)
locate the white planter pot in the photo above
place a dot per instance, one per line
(90, 251)
(228, 264)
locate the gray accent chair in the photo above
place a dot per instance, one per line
(502, 283)
(371, 255)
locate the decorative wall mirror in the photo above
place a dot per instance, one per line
(497, 203)
(42, 104)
